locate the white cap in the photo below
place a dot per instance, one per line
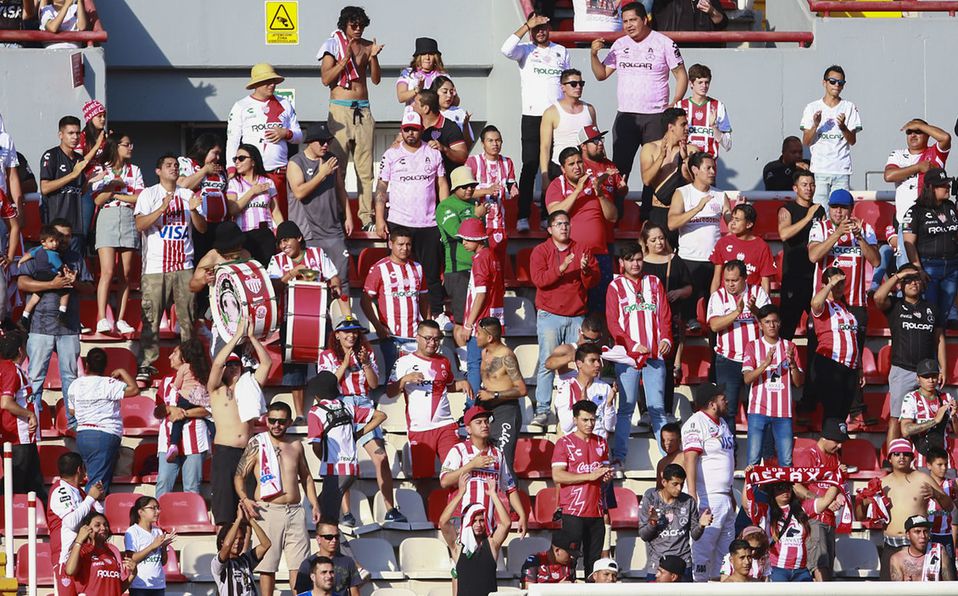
(411, 119)
(605, 564)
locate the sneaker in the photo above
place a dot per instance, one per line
(445, 323)
(370, 227)
(618, 469)
(104, 326)
(348, 520)
(522, 225)
(172, 453)
(146, 373)
(693, 326)
(541, 419)
(393, 515)
(124, 327)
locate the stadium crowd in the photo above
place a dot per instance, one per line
(611, 317)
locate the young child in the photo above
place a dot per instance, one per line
(709, 124)
(943, 521)
(192, 364)
(740, 557)
(48, 255)
(145, 544)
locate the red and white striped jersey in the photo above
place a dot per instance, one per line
(917, 407)
(789, 551)
(941, 518)
(463, 453)
(313, 257)
(15, 383)
(638, 314)
(771, 393)
(131, 177)
(485, 277)
(846, 254)
(339, 457)
(731, 341)
(581, 457)
(837, 331)
(196, 435)
(427, 402)
(354, 382)
(248, 121)
(396, 289)
(259, 210)
(212, 190)
(598, 392)
(700, 116)
(168, 244)
(67, 507)
(487, 173)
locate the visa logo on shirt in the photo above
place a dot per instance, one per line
(174, 232)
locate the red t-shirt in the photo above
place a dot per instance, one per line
(588, 223)
(485, 277)
(581, 457)
(99, 571)
(607, 190)
(755, 253)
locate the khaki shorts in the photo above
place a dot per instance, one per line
(821, 547)
(285, 525)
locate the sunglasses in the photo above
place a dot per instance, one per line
(910, 279)
(277, 420)
(329, 536)
(913, 131)
(240, 158)
(575, 83)
(834, 81)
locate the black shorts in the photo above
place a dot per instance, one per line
(457, 286)
(224, 500)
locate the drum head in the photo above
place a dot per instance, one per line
(243, 291)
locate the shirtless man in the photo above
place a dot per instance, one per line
(232, 434)
(277, 500)
(227, 246)
(908, 492)
(917, 563)
(664, 166)
(502, 388)
(345, 60)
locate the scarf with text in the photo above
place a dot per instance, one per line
(825, 477)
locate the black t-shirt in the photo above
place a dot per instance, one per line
(778, 176)
(936, 228)
(11, 14)
(795, 249)
(448, 133)
(682, 15)
(65, 202)
(23, 170)
(912, 332)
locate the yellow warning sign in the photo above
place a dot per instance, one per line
(282, 23)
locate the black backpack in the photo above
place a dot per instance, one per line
(336, 417)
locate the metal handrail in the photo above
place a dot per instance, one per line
(830, 6)
(96, 35)
(803, 38)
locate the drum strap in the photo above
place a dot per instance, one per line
(335, 417)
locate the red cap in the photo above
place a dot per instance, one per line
(475, 412)
(233, 358)
(472, 229)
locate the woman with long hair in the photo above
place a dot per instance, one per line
(94, 134)
(449, 107)
(145, 545)
(94, 563)
(425, 66)
(251, 199)
(115, 196)
(788, 530)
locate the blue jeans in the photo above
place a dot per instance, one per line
(826, 183)
(790, 575)
(39, 349)
(553, 331)
(192, 466)
(597, 294)
(391, 348)
(942, 285)
(888, 263)
(653, 379)
(98, 451)
(780, 429)
(729, 373)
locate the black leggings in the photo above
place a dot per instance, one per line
(504, 431)
(629, 132)
(427, 251)
(701, 273)
(836, 386)
(796, 296)
(530, 166)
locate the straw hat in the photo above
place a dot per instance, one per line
(261, 73)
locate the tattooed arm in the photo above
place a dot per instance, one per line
(246, 465)
(511, 366)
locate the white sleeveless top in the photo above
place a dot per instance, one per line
(566, 134)
(698, 237)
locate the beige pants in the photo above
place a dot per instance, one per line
(158, 289)
(352, 131)
(285, 525)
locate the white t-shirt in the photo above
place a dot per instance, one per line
(596, 15)
(539, 70)
(458, 115)
(715, 446)
(831, 153)
(69, 23)
(8, 158)
(97, 403)
(168, 244)
(149, 572)
(698, 237)
(427, 402)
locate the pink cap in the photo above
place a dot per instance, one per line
(901, 446)
(411, 119)
(92, 109)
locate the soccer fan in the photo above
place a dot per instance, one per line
(201, 170)
(166, 214)
(562, 359)
(496, 177)
(425, 67)
(780, 173)
(643, 59)
(346, 61)
(450, 213)
(322, 576)
(396, 283)
(709, 463)
(837, 360)
(62, 180)
(586, 385)
(346, 575)
(411, 176)
(19, 416)
(942, 520)
(334, 439)
(278, 462)
(502, 386)
(318, 203)
(251, 201)
(63, 15)
(93, 564)
(580, 463)
(443, 134)
(731, 315)
(665, 167)
(917, 333)
(758, 543)
(554, 566)
(562, 272)
(741, 244)
(232, 567)
(921, 561)
(267, 122)
(929, 416)
(561, 123)
(227, 245)
(740, 558)
(670, 444)
(830, 127)
(424, 378)
(14, 183)
(640, 320)
(672, 569)
(540, 63)
(68, 505)
(709, 124)
(795, 221)
(701, 15)
(450, 109)
(906, 168)
(477, 460)
(668, 519)
(770, 367)
(146, 544)
(596, 16)
(696, 212)
(611, 187)
(605, 571)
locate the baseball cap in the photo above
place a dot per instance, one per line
(317, 132)
(605, 564)
(350, 323)
(928, 368)
(462, 176)
(473, 229)
(411, 119)
(475, 412)
(234, 358)
(673, 564)
(937, 177)
(562, 540)
(917, 521)
(840, 198)
(288, 229)
(901, 446)
(325, 385)
(835, 430)
(590, 133)
(705, 392)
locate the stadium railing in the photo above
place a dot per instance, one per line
(825, 8)
(96, 35)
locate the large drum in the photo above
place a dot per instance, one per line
(243, 291)
(306, 314)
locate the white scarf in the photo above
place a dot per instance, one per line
(467, 537)
(270, 478)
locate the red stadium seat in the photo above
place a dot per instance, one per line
(880, 214)
(138, 418)
(546, 504)
(172, 568)
(354, 280)
(523, 272)
(533, 458)
(117, 509)
(31, 221)
(146, 464)
(861, 453)
(20, 511)
(696, 362)
(630, 218)
(810, 422)
(776, 282)
(801, 451)
(49, 454)
(509, 273)
(116, 357)
(60, 421)
(766, 226)
(870, 369)
(44, 564)
(626, 513)
(526, 506)
(877, 408)
(52, 380)
(883, 363)
(162, 364)
(951, 360)
(368, 257)
(877, 321)
(187, 512)
(48, 428)
(435, 503)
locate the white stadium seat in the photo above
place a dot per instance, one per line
(196, 560)
(376, 556)
(631, 555)
(410, 504)
(424, 558)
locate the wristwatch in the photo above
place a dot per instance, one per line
(495, 395)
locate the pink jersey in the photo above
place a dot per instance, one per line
(427, 402)
(259, 211)
(837, 331)
(771, 393)
(411, 175)
(488, 173)
(196, 436)
(463, 453)
(643, 67)
(486, 277)
(581, 457)
(132, 180)
(212, 189)
(731, 341)
(638, 314)
(313, 257)
(846, 254)
(15, 383)
(396, 289)
(354, 382)
(941, 518)
(168, 244)
(789, 551)
(917, 407)
(325, 427)
(701, 133)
